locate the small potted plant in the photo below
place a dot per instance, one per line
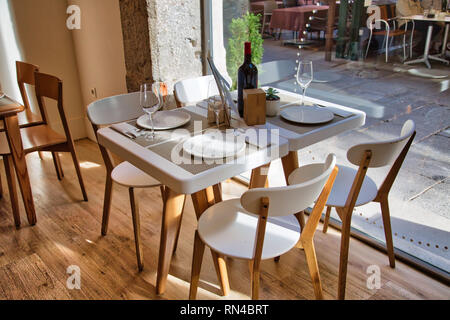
(272, 102)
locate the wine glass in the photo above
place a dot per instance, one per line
(304, 76)
(213, 103)
(150, 103)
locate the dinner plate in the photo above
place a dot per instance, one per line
(213, 145)
(307, 114)
(164, 120)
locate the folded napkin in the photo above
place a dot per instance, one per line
(338, 111)
(126, 129)
(255, 141)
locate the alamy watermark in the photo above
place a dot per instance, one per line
(73, 22)
(74, 280)
(374, 279)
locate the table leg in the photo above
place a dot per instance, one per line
(259, 176)
(441, 57)
(425, 57)
(171, 219)
(18, 156)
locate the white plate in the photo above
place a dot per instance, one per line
(307, 114)
(213, 146)
(164, 120)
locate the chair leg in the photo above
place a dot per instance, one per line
(345, 243)
(1, 187)
(301, 219)
(197, 259)
(41, 155)
(311, 259)
(78, 170)
(9, 171)
(388, 231)
(107, 203)
(137, 229)
(263, 25)
(58, 167)
(255, 278)
(221, 271)
(327, 220)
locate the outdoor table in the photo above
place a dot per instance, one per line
(294, 18)
(426, 56)
(202, 180)
(8, 115)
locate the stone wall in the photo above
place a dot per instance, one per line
(162, 40)
(138, 62)
(175, 39)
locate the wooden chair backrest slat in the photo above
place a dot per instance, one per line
(306, 184)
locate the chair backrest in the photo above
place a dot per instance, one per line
(115, 109)
(383, 152)
(191, 91)
(269, 6)
(51, 87)
(25, 75)
(289, 3)
(306, 184)
(275, 71)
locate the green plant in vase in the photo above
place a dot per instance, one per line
(246, 28)
(272, 102)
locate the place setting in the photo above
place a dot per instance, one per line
(155, 124)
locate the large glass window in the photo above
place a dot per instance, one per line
(388, 92)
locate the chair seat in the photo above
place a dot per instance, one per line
(26, 118)
(33, 139)
(343, 184)
(229, 229)
(392, 33)
(128, 175)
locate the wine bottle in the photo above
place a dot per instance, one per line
(247, 77)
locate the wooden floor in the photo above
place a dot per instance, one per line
(34, 260)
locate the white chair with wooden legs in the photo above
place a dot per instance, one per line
(105, 112)
(269, 6)
(193, 90)
(247, 228)
(42, 137)
(353, 188)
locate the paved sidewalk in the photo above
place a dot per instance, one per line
(389, 95)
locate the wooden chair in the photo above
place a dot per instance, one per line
(193, 90)
(25, 75)
(247, 228)
(42, 137)
(105, 112)
(388, 19)
(354, 188)
(269, 6)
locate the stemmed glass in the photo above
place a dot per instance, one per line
(149, 103)
(305, 76)
(212, 101)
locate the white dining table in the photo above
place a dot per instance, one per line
(426, 56)
(203, 181)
